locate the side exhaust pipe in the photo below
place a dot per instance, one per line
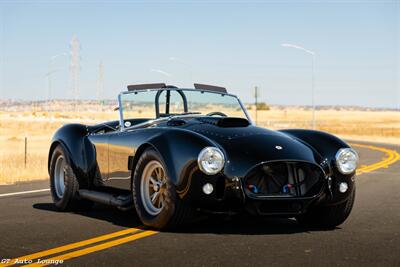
(122, 202)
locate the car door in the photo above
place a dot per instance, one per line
(121, 149)
(100, 142)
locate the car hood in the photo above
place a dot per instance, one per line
(246, 147)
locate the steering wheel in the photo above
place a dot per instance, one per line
(217, 113)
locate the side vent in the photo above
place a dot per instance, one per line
(130, 163)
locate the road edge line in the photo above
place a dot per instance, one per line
(24, 192)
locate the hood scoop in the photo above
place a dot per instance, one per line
(176, 122)
(224, 122)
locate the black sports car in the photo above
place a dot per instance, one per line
(176, 152)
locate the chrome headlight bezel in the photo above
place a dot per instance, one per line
(346, 160)
(208, 157)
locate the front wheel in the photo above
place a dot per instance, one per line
(155, 198)
(328, 217)
(64, 185)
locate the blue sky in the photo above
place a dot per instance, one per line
(234, 44)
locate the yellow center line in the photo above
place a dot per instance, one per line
(95, 248)
(71, 246)
(391, 157)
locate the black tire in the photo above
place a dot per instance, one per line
(328, 217)
(174, 212)
(69, 200)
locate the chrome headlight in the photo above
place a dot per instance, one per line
(346, 160)
(211, 160)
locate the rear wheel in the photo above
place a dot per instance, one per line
(64, 185)
(328, 217)
(155, 198)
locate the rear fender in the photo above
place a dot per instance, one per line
(79, 151)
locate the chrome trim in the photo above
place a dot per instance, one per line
(154, 121)
(202, 152)
(146, 123)
(121, 116)
(245, 111)
(341, 150)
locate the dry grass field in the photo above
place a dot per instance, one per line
(368, 125)
(38, 127)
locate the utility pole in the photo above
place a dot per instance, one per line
(312, 53)
(49, 74)
(256, 95)
(75, 69)
(100, 84)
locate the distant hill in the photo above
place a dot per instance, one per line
(88, 105)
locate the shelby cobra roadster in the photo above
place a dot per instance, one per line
(175, 153)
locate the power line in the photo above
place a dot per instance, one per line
(100, 83)
(75, 68)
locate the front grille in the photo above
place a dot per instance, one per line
(284, 179)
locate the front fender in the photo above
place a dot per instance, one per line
(179, 149)
(326, 144)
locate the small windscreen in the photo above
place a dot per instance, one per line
(161, 103)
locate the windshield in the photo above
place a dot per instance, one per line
(153, 104)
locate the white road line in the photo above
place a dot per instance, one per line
(24, 192)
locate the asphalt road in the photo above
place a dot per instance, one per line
(370, 237)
